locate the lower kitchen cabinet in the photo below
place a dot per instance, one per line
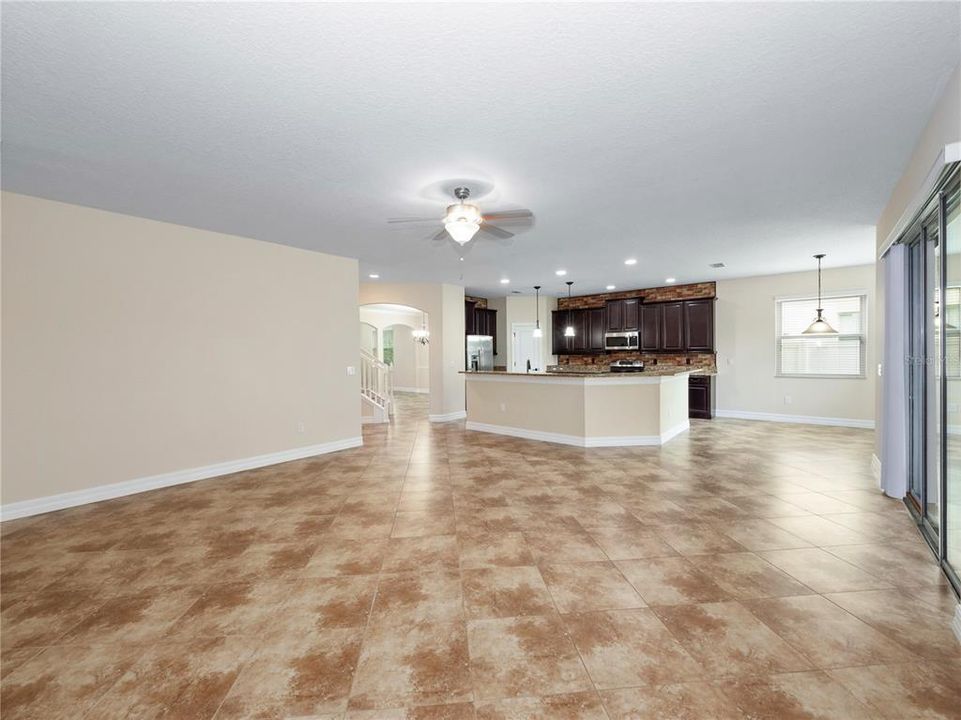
(700, 396)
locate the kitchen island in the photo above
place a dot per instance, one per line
(588, 409)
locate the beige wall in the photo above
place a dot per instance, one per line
(523, 309)
(133, 348)
(444, 305)
(745, 332)
(943, 128)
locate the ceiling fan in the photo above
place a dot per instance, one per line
(463, 220)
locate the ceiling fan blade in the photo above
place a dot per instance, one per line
(441, 236)
(411, 219)
(495, 231)
(520, 214)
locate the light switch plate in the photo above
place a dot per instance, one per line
(351, 370)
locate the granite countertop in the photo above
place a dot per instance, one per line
(663, 371)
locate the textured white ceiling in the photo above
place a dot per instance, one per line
(679, 134)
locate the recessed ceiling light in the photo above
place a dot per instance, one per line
(611, 287)
(504, 281)
(631, 261)
(670, 280)
(560, 273)
(373, 276)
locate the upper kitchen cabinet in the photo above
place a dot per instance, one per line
(560, 345)
(672, 326)
(622, 315)
(652, 318)
(699, 325)
(597, 328)
(470, 325)
(590, 326)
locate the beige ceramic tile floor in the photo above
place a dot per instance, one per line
(744, 570)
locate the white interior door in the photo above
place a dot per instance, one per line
(524, 347)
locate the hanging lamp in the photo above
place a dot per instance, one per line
(422, 336)
(537, 309)
(820, 326)
(569, 330)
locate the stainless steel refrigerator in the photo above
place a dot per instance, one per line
(480, 352)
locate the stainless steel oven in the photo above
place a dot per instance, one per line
(621, 340)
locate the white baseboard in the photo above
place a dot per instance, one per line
(25, 508)
(876, 468)
(956, 623)
(578, 441)
(447, 417)
(422, 391)
(800, 419)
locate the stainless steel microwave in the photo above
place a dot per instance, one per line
(621, 340)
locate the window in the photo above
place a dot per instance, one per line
(840, 355)
(389, 346)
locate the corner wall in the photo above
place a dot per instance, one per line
(745, 333)
(140, 352)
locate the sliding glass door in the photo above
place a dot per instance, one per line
(933, 287)
(951, 209)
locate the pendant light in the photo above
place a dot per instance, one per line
(422, 336)
(569, 330)
(820, 326)
(537, 309)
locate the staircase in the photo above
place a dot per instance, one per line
(376, 389)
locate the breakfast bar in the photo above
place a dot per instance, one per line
(582, 409)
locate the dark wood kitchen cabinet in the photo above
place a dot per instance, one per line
(581, 320)
(672, 326)
(622, 315)
(699, 325)
(590, 326)
(650, 333)
(560, 345)
(700, 394)
(469, 325)
(597, 329)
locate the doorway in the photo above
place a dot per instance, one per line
(525, 348)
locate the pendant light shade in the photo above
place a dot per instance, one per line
(537, 309)
(820, 326)
(569, 330)
(462, 222)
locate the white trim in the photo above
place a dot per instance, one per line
(876, 468)
(800, 419)
(447, 417)
(24, 508)
(423, 391)
(577, 440)
(372, 420)
(956, 623)
(603, 378)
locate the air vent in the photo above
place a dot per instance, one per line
(516, 292)
(717, 265)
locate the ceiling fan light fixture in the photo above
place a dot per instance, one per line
(462, 222)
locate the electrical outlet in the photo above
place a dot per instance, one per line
(503, 407)
(300, 427)
(787, 399)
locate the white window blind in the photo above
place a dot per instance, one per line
(952, 330)
(840, 355)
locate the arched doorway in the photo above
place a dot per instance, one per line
(395, 361)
